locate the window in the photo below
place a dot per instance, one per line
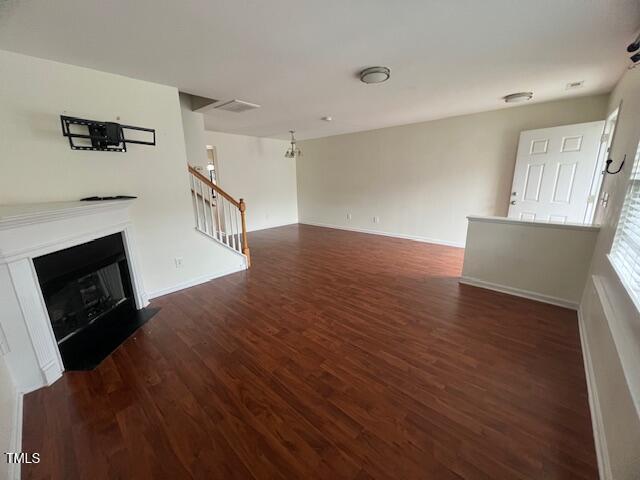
(625, 253)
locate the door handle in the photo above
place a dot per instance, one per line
(513, 202)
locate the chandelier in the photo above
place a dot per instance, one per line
(293, 150)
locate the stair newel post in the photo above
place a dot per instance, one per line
(245, 244)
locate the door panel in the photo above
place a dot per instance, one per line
(563, 184)
(533, 182)
(554, 172)
(571, 144)
(538, 147)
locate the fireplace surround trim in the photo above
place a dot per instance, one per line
(27, 232)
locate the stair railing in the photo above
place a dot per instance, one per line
(219, 215)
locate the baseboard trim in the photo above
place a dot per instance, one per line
(195, 281)
(388, 234)
(599, 437)
(539, 297)
(272, 226)
(16, 436)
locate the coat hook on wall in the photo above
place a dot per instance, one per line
(618, 170)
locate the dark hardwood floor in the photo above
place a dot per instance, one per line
(337, 356)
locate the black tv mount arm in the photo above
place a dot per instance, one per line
(103, 136)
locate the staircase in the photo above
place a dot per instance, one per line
(219, 215)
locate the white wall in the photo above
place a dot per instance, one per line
(543, 261)
(8, 406)
(422, 180)
(610, 322)
(193, 126)
(255, 169)
(37, 165)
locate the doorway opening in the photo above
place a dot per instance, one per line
(212, 165)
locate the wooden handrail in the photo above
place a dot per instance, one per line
(239, 204)
(212, 185)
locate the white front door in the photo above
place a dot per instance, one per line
(554, 171)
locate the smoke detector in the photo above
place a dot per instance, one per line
(574, 85)
(236, 106)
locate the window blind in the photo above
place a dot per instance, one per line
(625, 252)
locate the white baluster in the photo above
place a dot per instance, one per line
(195, 196)
(232, 209)
(236, 213)
(226, 222)
(219, 225)
(209, 191)
(237, 219)
(223, 222)
(204, 207)
(235, 227)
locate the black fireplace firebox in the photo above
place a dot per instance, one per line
(89, 297)
(82, 284)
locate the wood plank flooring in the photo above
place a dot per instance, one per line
(339, 355)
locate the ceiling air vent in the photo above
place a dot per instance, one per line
(236, 106)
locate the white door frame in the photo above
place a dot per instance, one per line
(599, 173)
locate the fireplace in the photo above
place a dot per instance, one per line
(84, 284)
(62, 302)
(88, 294)
(75, 303)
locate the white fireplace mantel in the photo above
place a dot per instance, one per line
(29, 231)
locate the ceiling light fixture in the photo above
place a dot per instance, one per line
(293, 150)
(327, 118)
(518, 97)
(375, 75)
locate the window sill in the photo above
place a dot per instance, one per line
(624, 283)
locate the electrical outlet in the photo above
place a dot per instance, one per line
(376, 219)
(178, 261)
(348, 216)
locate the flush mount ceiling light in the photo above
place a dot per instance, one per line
(293, 150)
(375, 75)
(518, 97)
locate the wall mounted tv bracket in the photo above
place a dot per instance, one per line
(101, 136)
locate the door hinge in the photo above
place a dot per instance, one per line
(604, 138)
